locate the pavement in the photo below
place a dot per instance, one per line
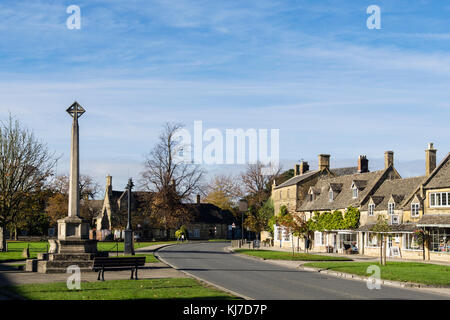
(258, 279)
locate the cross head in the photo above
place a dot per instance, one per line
(75, 110)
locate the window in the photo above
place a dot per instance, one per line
(391, 208)
(371, 209)
(372, 240)
(286, 235)
(311, 197)
(440, 239)
(411, 242)
(440, 199)
(330, 195)
(318, 238)
(415, 209)
(354, 192)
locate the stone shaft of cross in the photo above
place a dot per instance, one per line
(74, 183)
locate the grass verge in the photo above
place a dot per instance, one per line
(168, 288)
(281, 255)
(430, 274)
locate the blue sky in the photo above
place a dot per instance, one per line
(311, 69)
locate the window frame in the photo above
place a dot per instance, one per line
(437, 199)
(391, 211)
(415, 209)
(371, 210)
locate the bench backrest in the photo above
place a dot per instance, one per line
(119, 262)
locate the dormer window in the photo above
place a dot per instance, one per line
(330, 195)
(391, 208)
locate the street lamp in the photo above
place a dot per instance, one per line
(128, 247)
(243, 206)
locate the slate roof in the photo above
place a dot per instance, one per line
(294, 180)
(398, 189)
(344, 197)
(441, 177)
(435, 219)
(209, 213)
(336, 172)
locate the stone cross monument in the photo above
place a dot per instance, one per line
(73, 246)
(73, 232)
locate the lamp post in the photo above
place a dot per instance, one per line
(128, 247)
(243, 206)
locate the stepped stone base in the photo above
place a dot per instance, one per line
(68, 252)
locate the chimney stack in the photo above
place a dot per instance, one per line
(324, 161)
(363, 164)
(388, 159)
(430, 159)
(198, 199)
(304, 167)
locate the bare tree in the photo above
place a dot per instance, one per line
(171, 181)
(257, 180)
(25, 164)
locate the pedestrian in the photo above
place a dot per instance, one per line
(182, 237)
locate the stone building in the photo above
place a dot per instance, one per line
(409, 205)
(331, 194)
(209, 221)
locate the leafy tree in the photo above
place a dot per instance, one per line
(224, 191)
(25, 165)
(258, 219)
(351, 218)
(59, 201)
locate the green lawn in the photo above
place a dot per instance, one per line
(168, 288)
(149, 258)
(282, 255)
(15, 248)
(417, 272)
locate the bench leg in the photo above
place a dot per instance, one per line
(132, 271)
(103, 274)
(99, 272)
(135, 273)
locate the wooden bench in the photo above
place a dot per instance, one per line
(116, 264)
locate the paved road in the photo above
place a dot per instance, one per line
(262, 280)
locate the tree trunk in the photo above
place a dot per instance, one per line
(293, 247)
(15, 233)
(381, 249)
(3, 246)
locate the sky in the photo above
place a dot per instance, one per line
(311, 69)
